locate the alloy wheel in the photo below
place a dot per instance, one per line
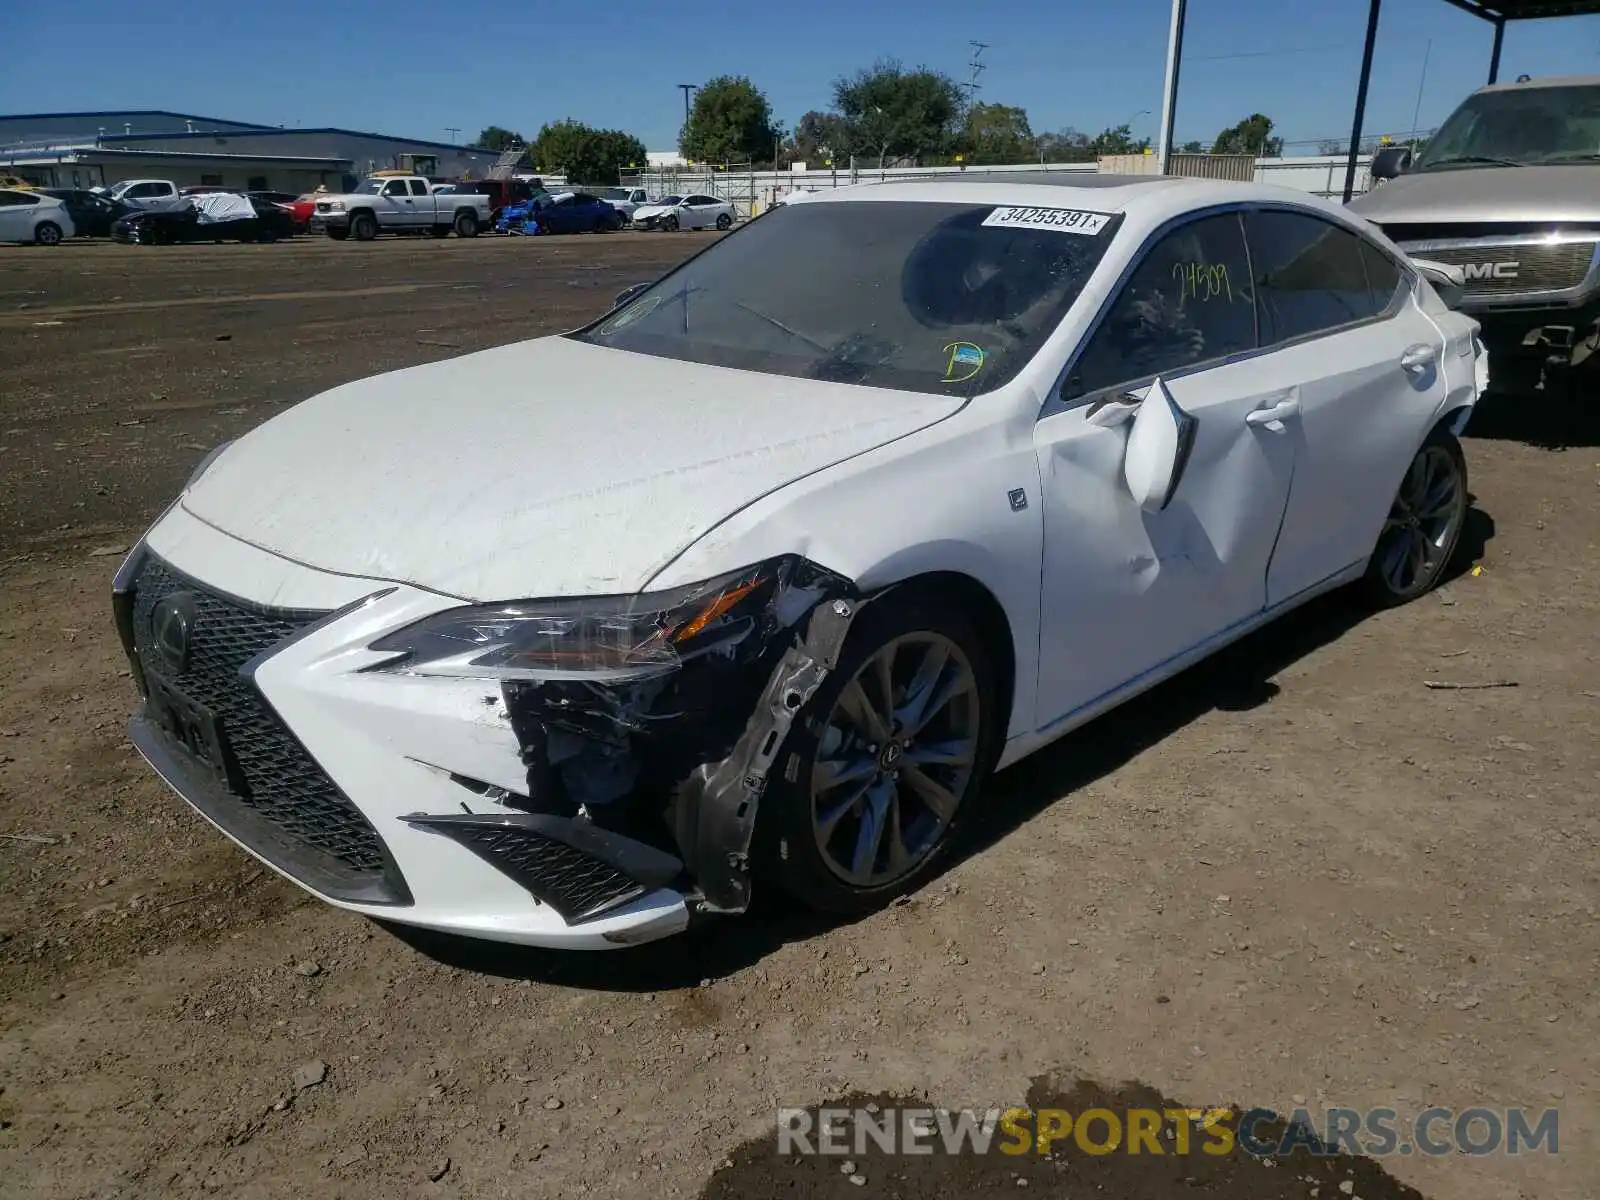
(894, 759)
(1426, 516)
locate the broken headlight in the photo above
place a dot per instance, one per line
(610, 635)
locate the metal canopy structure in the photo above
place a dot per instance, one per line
(1496, 12)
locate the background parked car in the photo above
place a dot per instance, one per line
(575, 212)
(625, 199)
(287, 202)
(218, 217)
(685, 212)
(92, 214)
(146, 193)
(29, 216)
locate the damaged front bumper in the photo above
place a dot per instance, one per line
(567, 814)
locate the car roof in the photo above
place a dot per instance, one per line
(1143, 198)
(1548, 81)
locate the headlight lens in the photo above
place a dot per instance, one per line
(335, 206)
(605, 635)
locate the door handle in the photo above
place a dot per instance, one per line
(1272, 415)
(1418, 358)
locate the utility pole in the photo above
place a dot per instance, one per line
(687, 89)
(452, 130)
(1169, 94)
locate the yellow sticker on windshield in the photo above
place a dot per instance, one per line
(963, 362)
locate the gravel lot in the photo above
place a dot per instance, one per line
(1294, 875)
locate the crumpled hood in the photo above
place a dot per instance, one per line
(1543, 195)
(546, 468)
(654, 210)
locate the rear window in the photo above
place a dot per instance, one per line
(919, 296)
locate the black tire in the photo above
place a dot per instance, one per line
(787, 840)
(1412, 529)
(338, 233)
(669, 223)
(612, 223)
(439, 231)
(724, 222)
(363, 227)
(47, 233)
(466, 224)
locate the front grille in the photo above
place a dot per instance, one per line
(1502, 270)
(573, 883)
(281, 782)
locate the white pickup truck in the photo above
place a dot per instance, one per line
(154, 194)
(399, 203)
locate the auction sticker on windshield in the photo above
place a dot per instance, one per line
(1062, 220)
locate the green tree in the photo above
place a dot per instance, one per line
(497, 138)
(1117, 140)
(1253, 135)
(583, 154)
(889, 110)
(998, 133)
(1192, 146)
(818, 137)
(731, 120)
(1068, 145)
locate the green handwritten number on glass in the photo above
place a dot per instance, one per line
(1202, 281)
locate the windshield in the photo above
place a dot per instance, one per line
(615, 194)
(924, 297)
(370, 187)
(668, 201)
(1518, 127)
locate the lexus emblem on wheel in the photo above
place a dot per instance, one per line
(171, 623)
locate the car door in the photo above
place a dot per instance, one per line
(421, 207)
(1368, 365)
(392, 205)
(1126, 590)
(15, 225)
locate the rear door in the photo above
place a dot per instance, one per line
(1126, 590)
(1369, 362)
(423, 207)
(16, 216)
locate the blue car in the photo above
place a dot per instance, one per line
(565, 212)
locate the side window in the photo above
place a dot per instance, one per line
(1188, 301)
(1310, 275)
(1384, 277)
(395, 187)
(418, 188)
(10, 199)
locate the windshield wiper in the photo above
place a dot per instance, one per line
(1483, 159)
(781, 327)
(1576, 156)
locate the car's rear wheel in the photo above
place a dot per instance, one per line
(876, 776)
(612, 223)
(724, 222)
(363, 227)
(670, 224)
(466, 225)
(1424, 525)
(47, 233)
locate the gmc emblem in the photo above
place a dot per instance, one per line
(1500, 270)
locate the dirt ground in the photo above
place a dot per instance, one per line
(1293, 876)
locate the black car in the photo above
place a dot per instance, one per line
(92, 214)
(189, 224)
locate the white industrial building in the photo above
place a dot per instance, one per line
(87, 149)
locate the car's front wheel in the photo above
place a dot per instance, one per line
(47, 233)
(871, 788)
(364, 227)
(1424, 525)
(669, 223)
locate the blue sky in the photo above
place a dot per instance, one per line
(414, 68)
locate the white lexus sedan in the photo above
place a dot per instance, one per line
(751, 583)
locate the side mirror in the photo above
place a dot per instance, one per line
(1450, 282)
(1159, 446)
(1390, 162)
(628, 294)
